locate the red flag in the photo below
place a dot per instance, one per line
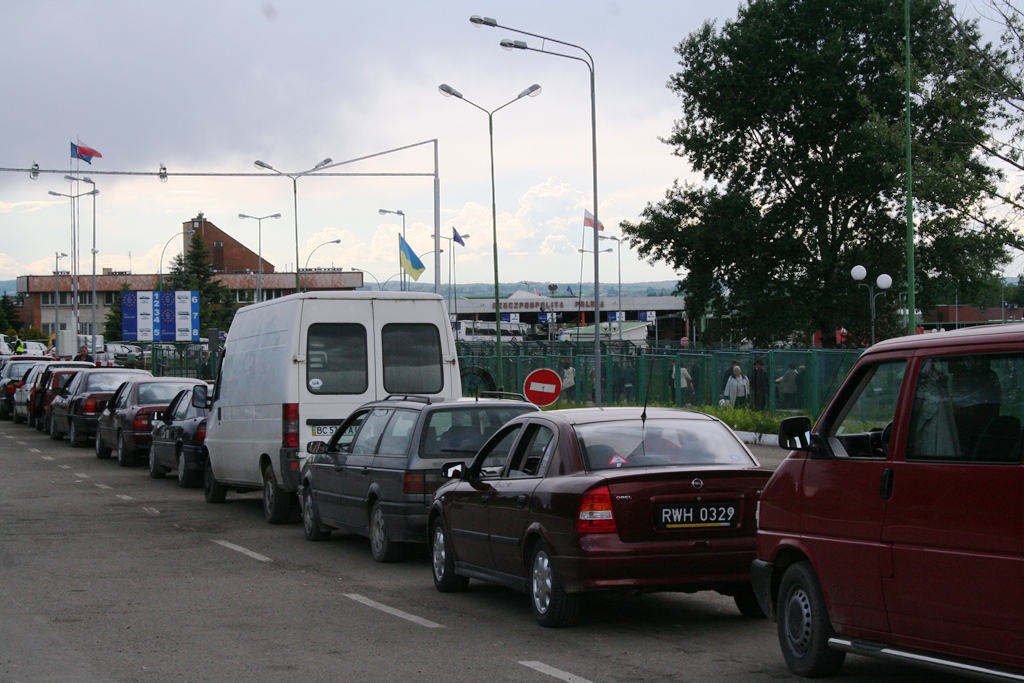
(84, 153)
(588, 220)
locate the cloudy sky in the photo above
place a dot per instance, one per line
(207, 87)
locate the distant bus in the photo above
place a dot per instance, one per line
(482, 330)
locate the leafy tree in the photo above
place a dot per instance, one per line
(794, 114)
(10, 317)
(112, 328)
(194, 271)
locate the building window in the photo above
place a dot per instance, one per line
(110, 297)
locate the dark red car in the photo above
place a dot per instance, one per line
(37, 396)
(76, 409)
(55, 383)
(126, 422)
(563, 502)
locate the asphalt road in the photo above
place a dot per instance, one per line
(109, 576)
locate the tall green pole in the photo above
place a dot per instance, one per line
(911, 304)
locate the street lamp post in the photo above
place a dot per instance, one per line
(305, 281)
(883, 281)
(532, 91)
(74, 253)
(618, 243)
(295, 201)
(88, 180)
(452, 296)
(57, 256)
(160, 279)
(397, 212)
(588, 60)
(259, 229)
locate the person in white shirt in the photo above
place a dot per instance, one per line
(737, 389)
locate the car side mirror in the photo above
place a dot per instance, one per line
(316, 447)
(200, 399)
(453, 470)
(795, 435)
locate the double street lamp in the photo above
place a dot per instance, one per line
(259, 272)
(588, 60)
(84, 179)
(883, 281)
(452, 295)
(532, 91)
(618, 313)
(57, 256)
(397, 212)
(295, 199)
(74, 251)
(306, 267)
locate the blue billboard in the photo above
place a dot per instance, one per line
(160, 316)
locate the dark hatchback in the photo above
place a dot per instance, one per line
(38, 400)
(76, 409)
(176, 444)
(126, 422)
(565, 502)
(377, 475)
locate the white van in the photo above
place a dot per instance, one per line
(295, 367)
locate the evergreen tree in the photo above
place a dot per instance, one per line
(10, 319)
(194, 271)
(112, 329)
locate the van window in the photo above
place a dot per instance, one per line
(858, 430)
(967, 409)
(412, 358)
(336, 358)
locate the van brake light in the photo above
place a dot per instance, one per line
(290, 425)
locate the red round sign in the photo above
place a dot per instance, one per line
(542, 387)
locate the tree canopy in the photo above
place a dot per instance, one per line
(794, 114)
(193, 270)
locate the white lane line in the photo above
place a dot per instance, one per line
(554, 673)
(47, 457)
(124, 497)
(392, 611)
(102, 486)
(21, 443)
(244, 551)
(36, 450)
(82, 476)
(64, 467)
(152, 511)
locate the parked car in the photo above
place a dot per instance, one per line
(125, 422)
(13, 372)
(40, 395)
(76, 409)
(58, 379)
(893, 529)
(565, 502)
(177, 441)
(23, 392)
(377, 475)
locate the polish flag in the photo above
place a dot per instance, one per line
(588, 220)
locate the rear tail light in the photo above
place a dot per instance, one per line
(9, 388)
(201, 432)
(290, 425)
(414, 483)
(90, 406)
(141, 422)
(596, 515)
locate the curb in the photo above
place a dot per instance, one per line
(760, 439)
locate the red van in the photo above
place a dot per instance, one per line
(895, 528)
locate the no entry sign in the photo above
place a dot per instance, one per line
(542, 387)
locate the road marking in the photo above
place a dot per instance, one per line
(82, 476)
(124, 497)
(8, 436)
(102, 486)
(64, 467)
(244, 551)
(392, 611)
(36, 450)
(554, 673)
(21, 443)
(152, 511)
(47, 457)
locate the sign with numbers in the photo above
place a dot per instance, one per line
(160, 316)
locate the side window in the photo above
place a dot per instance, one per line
(181, 409)
(369, 435)
(342, 440)
(490, 461)
(533, 452)
(412, 357)
(859, 428)
(967, 409)
(72, 382)
(398, 433)
(336, 359)
(122, 397)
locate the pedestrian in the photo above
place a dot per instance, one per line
(628, 377)
(787, 387)
(84, 355)
(568, 378)
(759, 385)
(683, 385)
(737, 389)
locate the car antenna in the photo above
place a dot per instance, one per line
(647, 394)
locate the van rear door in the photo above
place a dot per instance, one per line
(417, 351)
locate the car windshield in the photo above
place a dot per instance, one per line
(161, 392)
(106, 381)
(17, 369)
(464, 431)
(636, 443)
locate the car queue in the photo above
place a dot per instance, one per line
(856, 544)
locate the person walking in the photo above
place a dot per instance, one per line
(682, 385)
(84, 355)
(787, 387)
(568, 378)
(737, 389)
(759, 385)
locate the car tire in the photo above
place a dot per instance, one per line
(276, 501)
(746, 602)
(311, 519)
(55, 434)
(803, 624)
(382, 548)
(213, 490)
(125, 458)
(187, 479)
(17, 419)
(443, 561)
(552, 606)
(102, 449)
(74, 437)
(156, 471)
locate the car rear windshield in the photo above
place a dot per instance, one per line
(462, 432)
(106, 381)
(160, 392)
(635, 443)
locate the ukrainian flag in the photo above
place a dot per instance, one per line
(411, 263)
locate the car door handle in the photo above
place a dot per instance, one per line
(521, 501)
(885, 488)
(485, 499)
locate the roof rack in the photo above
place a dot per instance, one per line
(511, 395)
(408, 397)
